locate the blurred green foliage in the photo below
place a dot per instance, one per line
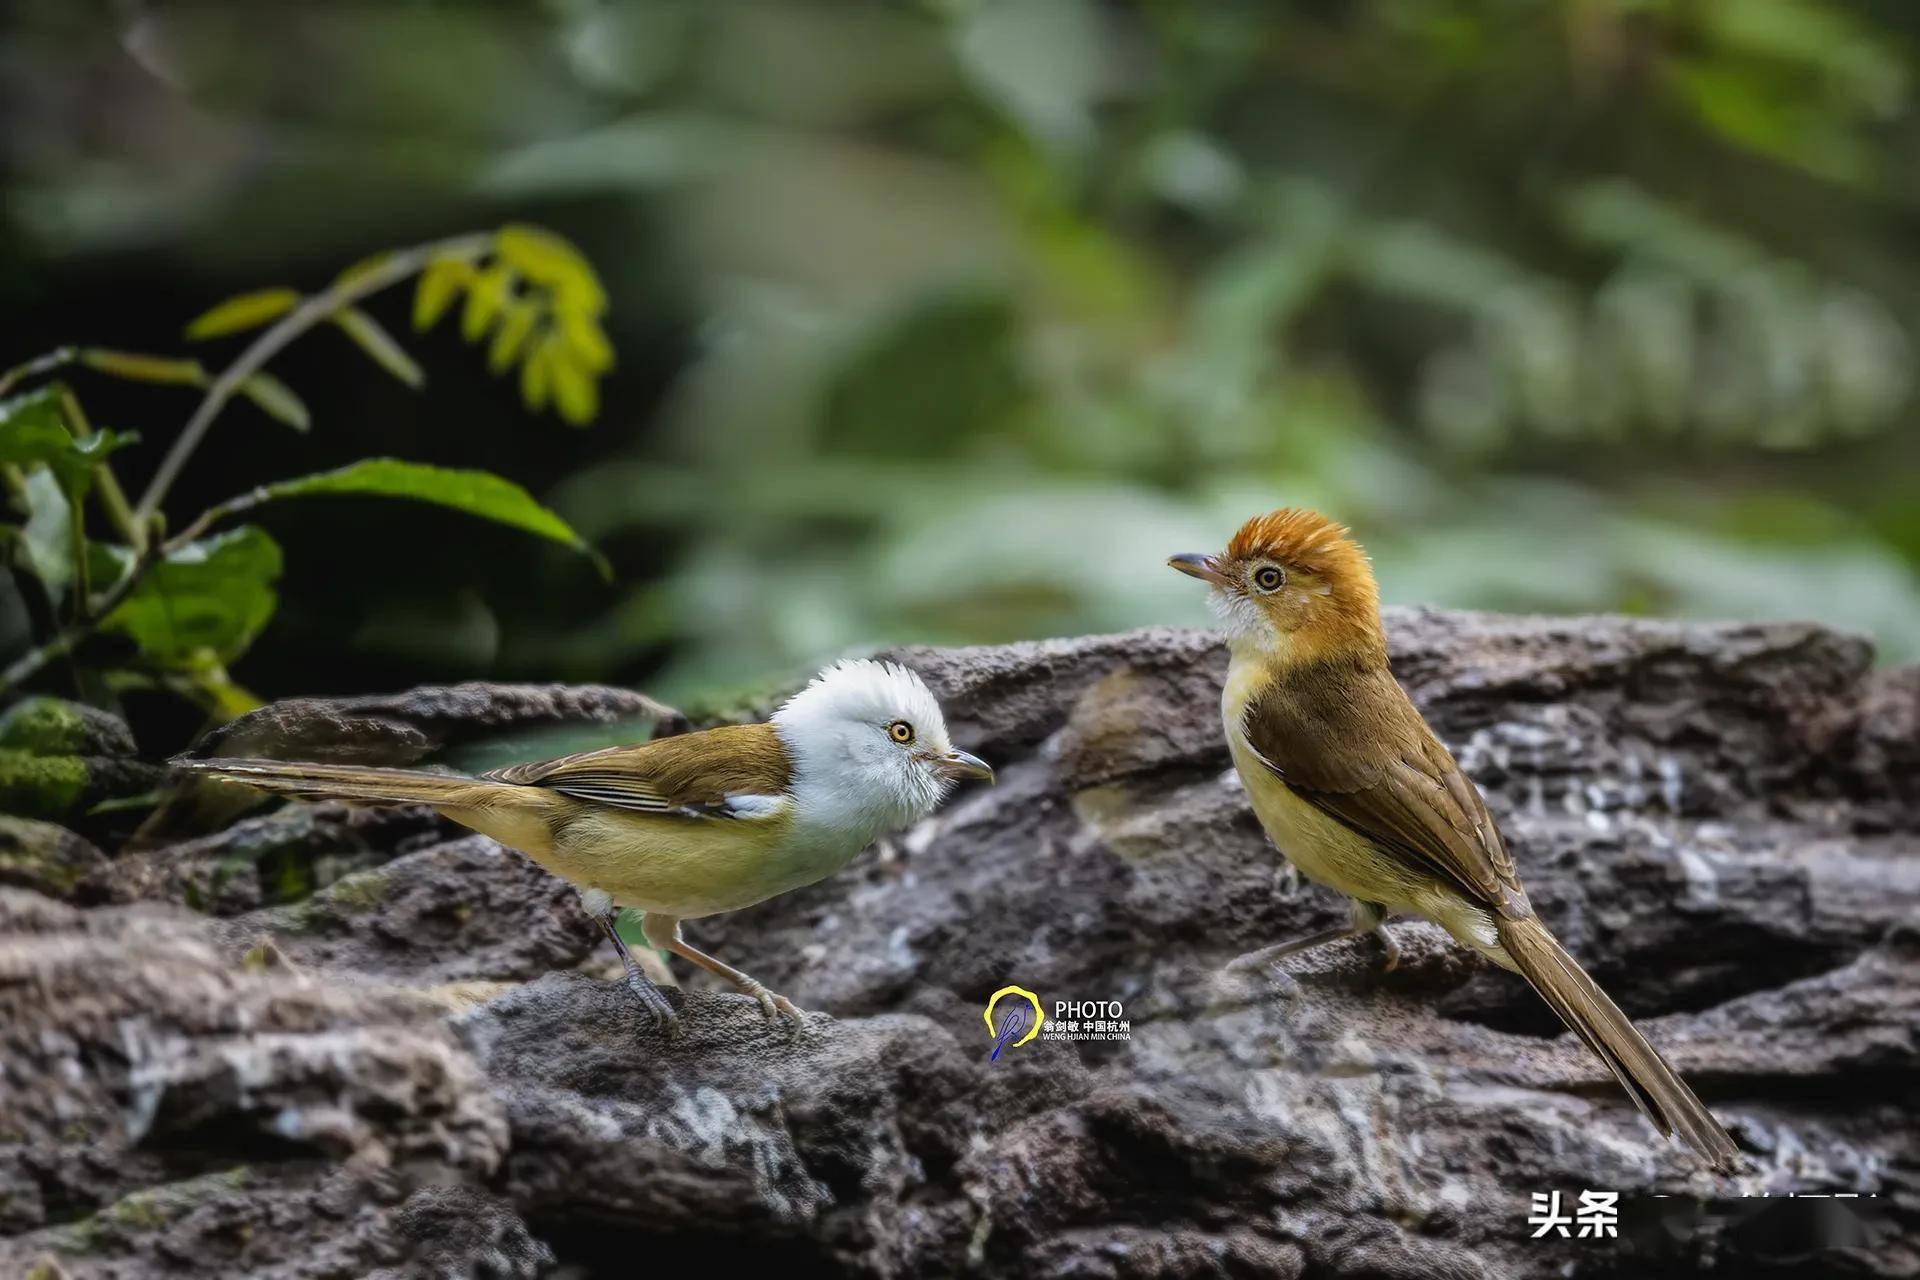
(191, 602)
(982, 307)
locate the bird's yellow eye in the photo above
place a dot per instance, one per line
(900, 731)
(1269, 577)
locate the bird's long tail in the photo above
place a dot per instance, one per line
(347, 782)
(1652, 1083)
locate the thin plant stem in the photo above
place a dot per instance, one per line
(113, 499)
(82, 571)
(58, 358)
(149, 551)
(30, 663)
(316, 310)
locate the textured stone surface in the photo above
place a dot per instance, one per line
(276, 857)
(45, 857)
(1719, 820)
(458, 911)
(165, 1104)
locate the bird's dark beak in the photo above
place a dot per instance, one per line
(1205, 568)
(960, 765)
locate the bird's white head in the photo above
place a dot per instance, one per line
(870, 746)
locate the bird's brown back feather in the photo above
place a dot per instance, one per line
(687, 773)
(1343, 736)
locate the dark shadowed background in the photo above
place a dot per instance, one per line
(947, 321)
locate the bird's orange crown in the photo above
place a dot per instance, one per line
(1331, 604)
(1307, 541)
(1300, 581)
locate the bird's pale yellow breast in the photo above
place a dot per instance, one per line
(678, 866)
(1326, 851)
(686, 867)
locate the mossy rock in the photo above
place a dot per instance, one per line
(359, 893)
(41, 786)
(56, 727)
(43, 857)
(146, 1212)
(332, 910)
(62, 788)
(58, 759)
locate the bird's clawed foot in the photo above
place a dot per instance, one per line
(774, 1005)
(653, 1002)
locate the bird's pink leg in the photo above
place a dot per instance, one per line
(664, 931)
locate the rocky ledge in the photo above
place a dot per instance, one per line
(321, 1042)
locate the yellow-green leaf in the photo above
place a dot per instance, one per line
(373, 339)
(586, 341)
(215, 690)
(576, 392)
(248, 311)
(478, 493)
(552, 262)
(276, 399)
(536, 379)
(443, 279)
(510, 335)
(142, 368)
(365, 267)
(485, 297)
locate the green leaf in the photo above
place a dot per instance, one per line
(210, 597)
(586, 342)
(276, 399)
(485, 297)
(440, 283)
(223, 699)
(373, 339)
(477, 493)
(33, 432)
(550, 261)
(510, 336)
(77, 467)
(32, 427)
(248, 311)
(365, 267)
(576, 392)
(536, 376)
(143, 368)
(46, 540)
(60, 470)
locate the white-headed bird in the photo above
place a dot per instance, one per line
(1358, 793)
(697, 824)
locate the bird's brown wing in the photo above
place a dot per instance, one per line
(1345, 738)
(734, 771)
